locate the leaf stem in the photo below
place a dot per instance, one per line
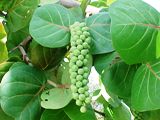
(66, 86)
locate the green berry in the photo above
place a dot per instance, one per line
(84, 52)
(82, 97)
(86, 93)
(83, 109)
(88, 40)
(74, 59)
(79, 84)
(85, 82)
(79, 42)
(88, 100)
(74, 68)
(79, 77)
(79, 32)
(83, 37)
(80, 57)
(80, 71)
(85, 28)
(73, 81)
(85, 45)
(85, 69)
(74, 88)
(85, 61)
(73, 48)
(75, 37)
(87, 56)
(79, 47)
(82, 24)
(73, 43)
(79, 63)
(81, 90)
(86, 88)
(78, 102)
(75, 96)
(85, 75)
(76, 52)
(86, 33)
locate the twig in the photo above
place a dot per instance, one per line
(23, 43)
(69, 3)
(101, 113)
(57, 85)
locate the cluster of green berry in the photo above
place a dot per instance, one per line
(79, 58)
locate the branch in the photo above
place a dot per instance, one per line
(23, 43)
(69, 3)
(58, 85)
(101, 113)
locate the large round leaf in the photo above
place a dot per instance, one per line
(56, 98)
(134, 30)
(146, 87)
(20, 89)
(99, 27)
(49, 25)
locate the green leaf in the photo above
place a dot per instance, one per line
(2, 31)
(50, 25)
(73, 112)
(3, 52)
(45, 58)
(5, 4)
(54, 115)
(20, 13)
(20, 89)
(43, 2)
(118, 79)
(103, 61)
(121, 113)
(134, 30)
(63, 74)
(56, 98)
(4, 116)
(15, 38)
(146, 87)
(77, 12)
(157, 45)
(99, 27)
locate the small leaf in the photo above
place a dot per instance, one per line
(99, 27)
(146, 87)
(20, 89)
(50, 25)
(54, 115)
(134, 30)
(56, 98)
(73, 112)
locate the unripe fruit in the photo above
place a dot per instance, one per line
(88, 100)
(79, 84)
(79, 63)
(78, 102)
(81, 90)
(83, 109)
(79, 77)
(80, 71)
(82, 97)
(79, 59)
(73, 88)
(75, 95)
